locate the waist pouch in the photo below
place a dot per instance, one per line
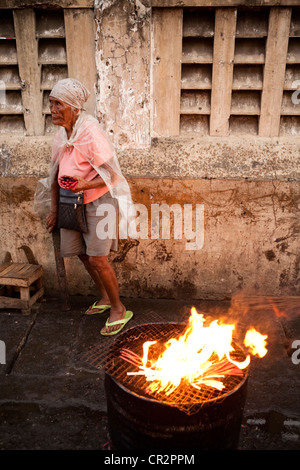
(71, 211)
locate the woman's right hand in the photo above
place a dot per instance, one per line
(51, 221)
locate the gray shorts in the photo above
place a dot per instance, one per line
(74, 243)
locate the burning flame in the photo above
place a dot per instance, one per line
(256, 342)
(200, 356)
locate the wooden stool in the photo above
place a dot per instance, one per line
(18, 282)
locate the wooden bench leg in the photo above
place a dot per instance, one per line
(25, 296)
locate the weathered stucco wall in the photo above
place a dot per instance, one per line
(194, 157)
(251, 240)
(123, 63)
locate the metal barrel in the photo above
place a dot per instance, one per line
(139, 423)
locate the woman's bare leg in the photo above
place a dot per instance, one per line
(104, 300)
(105, 279)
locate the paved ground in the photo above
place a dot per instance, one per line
(52, 397)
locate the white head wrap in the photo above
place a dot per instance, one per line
(71, 92)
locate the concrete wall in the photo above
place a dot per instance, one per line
(251, 226)
(248, 185)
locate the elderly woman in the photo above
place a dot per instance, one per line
(82, 151)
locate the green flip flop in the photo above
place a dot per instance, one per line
(96, 309)
(122, 323)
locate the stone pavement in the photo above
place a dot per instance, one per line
(52, 397)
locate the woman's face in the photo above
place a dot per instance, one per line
(62, 114)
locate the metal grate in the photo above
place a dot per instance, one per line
(185, 397)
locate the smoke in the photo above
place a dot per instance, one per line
(275, 316)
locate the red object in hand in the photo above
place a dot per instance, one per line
(68, 182)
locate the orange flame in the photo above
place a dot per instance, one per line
(200, 356)
(256, 342)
